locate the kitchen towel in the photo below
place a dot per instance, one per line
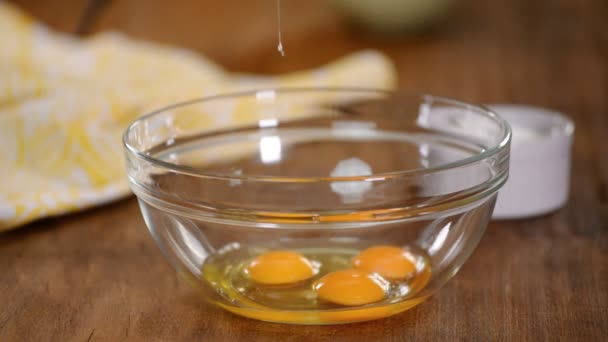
(65, 102)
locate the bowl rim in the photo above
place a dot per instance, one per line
(192, 171)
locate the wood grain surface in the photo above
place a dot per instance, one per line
(98, 276)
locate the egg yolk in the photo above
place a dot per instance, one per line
(350, 287)
(280, 268)
(388, 261)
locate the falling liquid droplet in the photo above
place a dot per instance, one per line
(280, 46)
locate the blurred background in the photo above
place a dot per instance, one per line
(476, 50)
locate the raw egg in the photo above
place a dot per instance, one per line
(351, 287)
(280, 268)
(388, 261)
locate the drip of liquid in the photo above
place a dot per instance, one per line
(280, 46)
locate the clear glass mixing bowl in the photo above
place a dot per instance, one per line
(324, 172)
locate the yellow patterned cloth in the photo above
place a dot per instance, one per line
(65, 102)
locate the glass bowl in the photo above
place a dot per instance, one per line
(324, 174)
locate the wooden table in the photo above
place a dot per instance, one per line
(97, 275)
